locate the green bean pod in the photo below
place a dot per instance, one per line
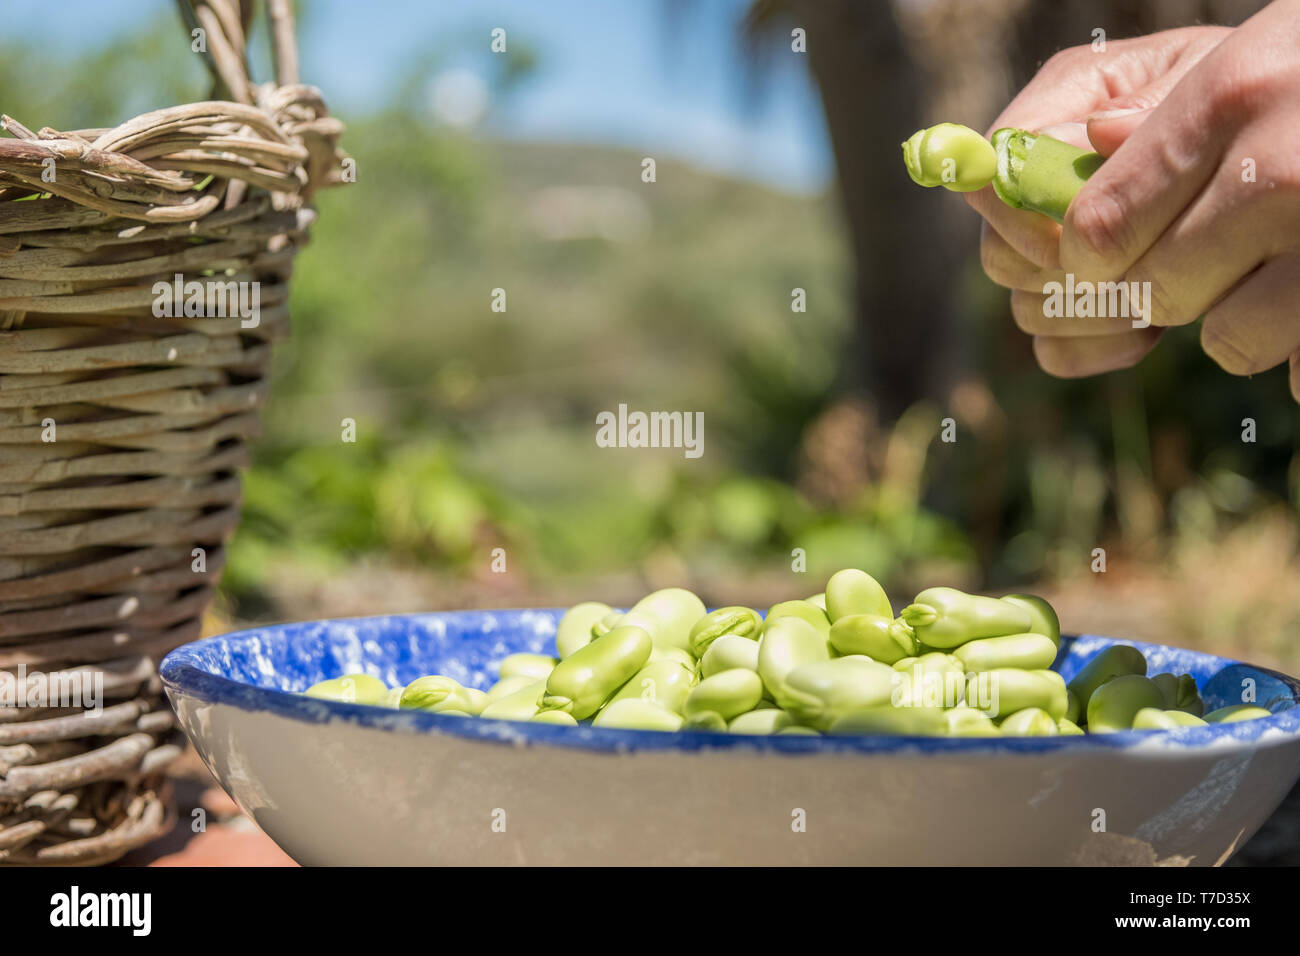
(728, 694)
(969, 722)
(737, 621)
(553, 717)
(1153, 718)
(508, 685)
(1115, 703)
(574, 629)
(894, 721)
(727, 652)
(1030, 722)
(1006, 690)
(665, 682)
(880, 638)
(1027, 651)
(1040, 172)
(1235, 714)
(667, 616)
(536, 666)
(787, 643)
(521, 704)
(588, 677)
(633, 713)
(1179, 692)
(1042, 616)
(1114, 661)
(855, 592)
(425, 693)
(945, 618)
(804, 611)
(816, 693)
(351, 689)
(767, 720)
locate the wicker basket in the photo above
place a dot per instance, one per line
(149, 416)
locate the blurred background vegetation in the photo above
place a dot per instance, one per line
(475, 428)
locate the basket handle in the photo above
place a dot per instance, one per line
(226, 25)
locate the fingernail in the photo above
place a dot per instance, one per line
(1115, 114)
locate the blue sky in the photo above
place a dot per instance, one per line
(665, 78)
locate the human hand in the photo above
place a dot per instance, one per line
(1022, 249)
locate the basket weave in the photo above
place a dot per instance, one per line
(98, 528)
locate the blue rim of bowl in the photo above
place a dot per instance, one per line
(182, 676)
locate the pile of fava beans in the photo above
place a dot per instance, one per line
(951, 664)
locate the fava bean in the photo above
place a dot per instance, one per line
(424, 693)
(508, 685)
(1042, 616)
(795, 730)
(802, 610)
(894, 721)
(448, 711)
(351, 689)
(574, 629)
(1071, 705)
(605, 625)
(666, 683)
(1030, 722)
(553, 717)
(709, 720)
(476, 700)
(1069, 728)
(1153, 718)
(855, 592)
(946, 618)
(535, 666)
(728, 694)
(1235, 713)
(935, 679)
(588, 677)
(969, 722)
(880, 638)
(393, 698)
(1179, 692)
(1115, 703)
(736, 621)
(768, 720)
(1114, 661)
(729, 652)
(675, 654)
(818, 599)
(632, 713)
(667, 616)
(816, 693)
(1004, 691)
(521, 704)
(787, 643)
(1026, 651)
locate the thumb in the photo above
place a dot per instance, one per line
(1114, 123)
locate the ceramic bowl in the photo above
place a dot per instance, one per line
(336, 783)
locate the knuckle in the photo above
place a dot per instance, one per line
(1100, 221)
(1158, 305)
(1026, 311)
(1065, 59)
